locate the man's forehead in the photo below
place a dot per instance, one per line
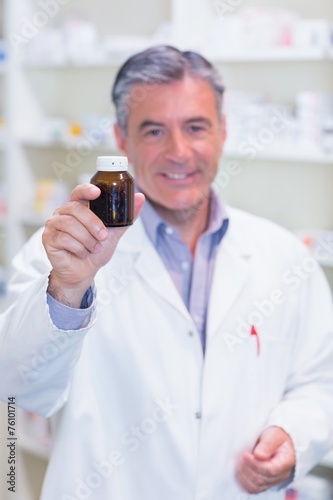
(177, 97)
(141, 90)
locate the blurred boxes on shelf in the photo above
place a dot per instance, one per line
(320, 244)
(261, 28)
(308, 124)
(49, 195)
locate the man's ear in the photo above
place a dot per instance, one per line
(120, 139)
(223, 129)
(223, 132)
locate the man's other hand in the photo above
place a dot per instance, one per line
(270, 463)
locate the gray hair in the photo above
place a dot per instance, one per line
(158, 65)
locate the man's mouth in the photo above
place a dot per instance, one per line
(177, 176)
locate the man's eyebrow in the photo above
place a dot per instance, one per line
(199, 119)
(149, 123)
(194, 119)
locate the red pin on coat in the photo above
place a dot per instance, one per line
(255, 333)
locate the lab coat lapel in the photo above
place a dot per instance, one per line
(151, 268)
(230, 275)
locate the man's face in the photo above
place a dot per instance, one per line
(174, 141)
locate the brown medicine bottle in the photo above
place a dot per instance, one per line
(115, 205)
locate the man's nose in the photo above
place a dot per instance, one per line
(177, 147)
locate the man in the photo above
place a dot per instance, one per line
(190, 357)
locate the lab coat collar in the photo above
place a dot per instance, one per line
(151, 268)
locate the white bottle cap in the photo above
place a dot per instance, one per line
(112, 163)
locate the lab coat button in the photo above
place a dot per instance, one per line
(191, 334)
(198, 415)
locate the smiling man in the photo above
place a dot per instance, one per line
(167, 390)
(175, 138)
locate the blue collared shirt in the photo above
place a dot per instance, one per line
(192, 275)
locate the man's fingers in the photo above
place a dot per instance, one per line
(269, 470)
(85, 192)
(269, 442)
(65, 241)
(255, 476)
(139, 200)
(250, 480)
(76, 240)
(75, 216)
(270, 463)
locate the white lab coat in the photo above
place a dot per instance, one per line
(141, 415)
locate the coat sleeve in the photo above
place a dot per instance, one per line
(306, 410)
(36, 358)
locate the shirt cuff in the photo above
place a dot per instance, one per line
(70, 318)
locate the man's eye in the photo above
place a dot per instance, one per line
(153, 132)
(197, 128)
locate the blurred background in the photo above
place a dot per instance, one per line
(58, 59)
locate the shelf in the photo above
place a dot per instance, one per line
(241, 54)
(281, 152)
(64, 144)
(67, 64)
(271, 54)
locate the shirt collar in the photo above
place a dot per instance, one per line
(218, 218)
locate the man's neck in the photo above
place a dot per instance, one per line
(190, 223)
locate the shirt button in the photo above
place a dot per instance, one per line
(185, 265)
(198, 415)
(169, 230)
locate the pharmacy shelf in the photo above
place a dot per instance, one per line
(241, 54)
(285, 153)
(45, 65)
(96, 63)
(270, 54)
(65, 144)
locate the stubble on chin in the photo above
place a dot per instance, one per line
(183, 216)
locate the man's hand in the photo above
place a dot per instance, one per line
(78, 244)
(270, 463)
